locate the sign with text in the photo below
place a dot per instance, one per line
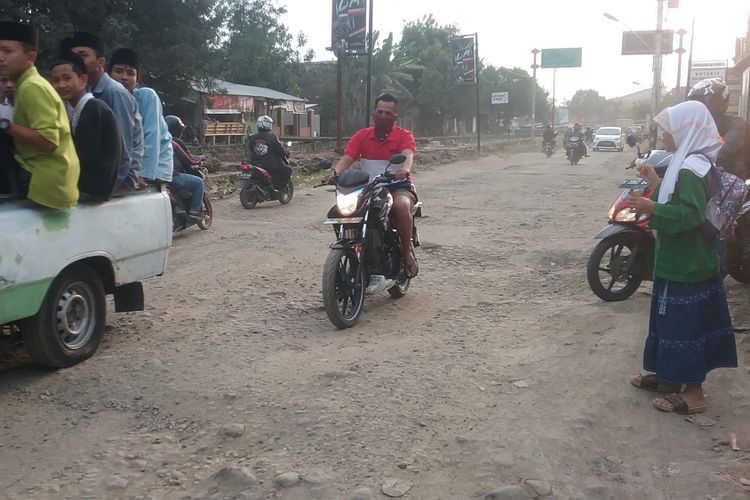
(562, 58)
(349, 25)
(635, 43)
(464, 60)
(700, 70)
(500, 98)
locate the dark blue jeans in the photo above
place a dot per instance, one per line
(192, 183)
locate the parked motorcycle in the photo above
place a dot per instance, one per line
(738, 245)
(366, 256)
(256, 186)
(575, 150)
(181, 198)
(549, 148)
(624, 257)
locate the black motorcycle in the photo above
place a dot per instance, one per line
(181, 199)
(366, 256)
(549, 148)
(256, 185)
(575, 149)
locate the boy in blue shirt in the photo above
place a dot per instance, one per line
(157, 142)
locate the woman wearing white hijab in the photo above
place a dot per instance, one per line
(690, 331)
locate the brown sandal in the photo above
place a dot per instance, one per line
(650, 383)
(677, 404)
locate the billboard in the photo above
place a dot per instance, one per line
(349, 25)
(562, 58)
(636, 43)
(464, 60)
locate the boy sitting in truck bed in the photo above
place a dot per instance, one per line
(40, 130)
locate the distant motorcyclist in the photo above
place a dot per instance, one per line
(576, 132)
(549, 134)
(266, 151)
(589, 134)
(714, 93)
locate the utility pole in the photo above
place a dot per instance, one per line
(476, 74)
(554, 83)
(534, 67)
(656, 90)
(340, 101)
(690, 58)
(370, 49)
(680, 51)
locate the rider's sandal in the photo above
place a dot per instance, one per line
(650, 383)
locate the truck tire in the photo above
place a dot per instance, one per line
(70, 323)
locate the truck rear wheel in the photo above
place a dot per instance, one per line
(70, 323)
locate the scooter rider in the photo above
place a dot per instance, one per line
(576, 132)
(265, 150)
(184, 163)
(714, 93)
(549, 135)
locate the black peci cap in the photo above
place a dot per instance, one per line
(124, 56)
(19, 32)
(83, 39)
(74, 59)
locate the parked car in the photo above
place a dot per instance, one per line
(56, 268)
(609, 138)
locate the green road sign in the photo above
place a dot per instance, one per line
(562, 58)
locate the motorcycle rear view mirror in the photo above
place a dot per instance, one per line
(397, 159)
(325, 164)
(631, 141)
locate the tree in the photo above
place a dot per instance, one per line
(174, 38)
(259, 49)
(517, 82)
(587, 105)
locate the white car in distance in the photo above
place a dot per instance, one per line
(608, 138)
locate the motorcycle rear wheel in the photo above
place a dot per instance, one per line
(287, 193)
(343, 288)
(248, 197)
(621, 269)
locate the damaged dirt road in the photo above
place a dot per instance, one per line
(499, 371)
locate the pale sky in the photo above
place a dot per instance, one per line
(509, 30)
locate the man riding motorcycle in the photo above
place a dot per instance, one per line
(714, 93)
(576, 132)
(266, 151)
(183, 163)
(549, 135)
(374, 147)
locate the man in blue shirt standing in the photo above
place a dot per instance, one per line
(157, 141)
(123, 104)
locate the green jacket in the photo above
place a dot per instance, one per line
(682, 252)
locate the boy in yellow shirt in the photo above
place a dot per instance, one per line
(40, 128)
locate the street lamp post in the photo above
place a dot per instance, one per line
(657, 60)
(680, 51)
(533, 93)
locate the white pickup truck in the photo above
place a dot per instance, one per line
(57, 267)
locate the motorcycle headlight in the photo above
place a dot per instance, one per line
(625, 216)
(347, 203)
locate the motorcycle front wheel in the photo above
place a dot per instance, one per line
(208, 214)
(343, 287)
(612, 272)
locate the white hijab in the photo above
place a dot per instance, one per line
(694, 131)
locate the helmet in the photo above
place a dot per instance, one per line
(265, 122)
(175, 125)
(714, 93)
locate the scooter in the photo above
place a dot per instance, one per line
(575, 150)
(256, 186)
(181, 199)
(624, 257)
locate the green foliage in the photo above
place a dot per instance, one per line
(588, 105)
